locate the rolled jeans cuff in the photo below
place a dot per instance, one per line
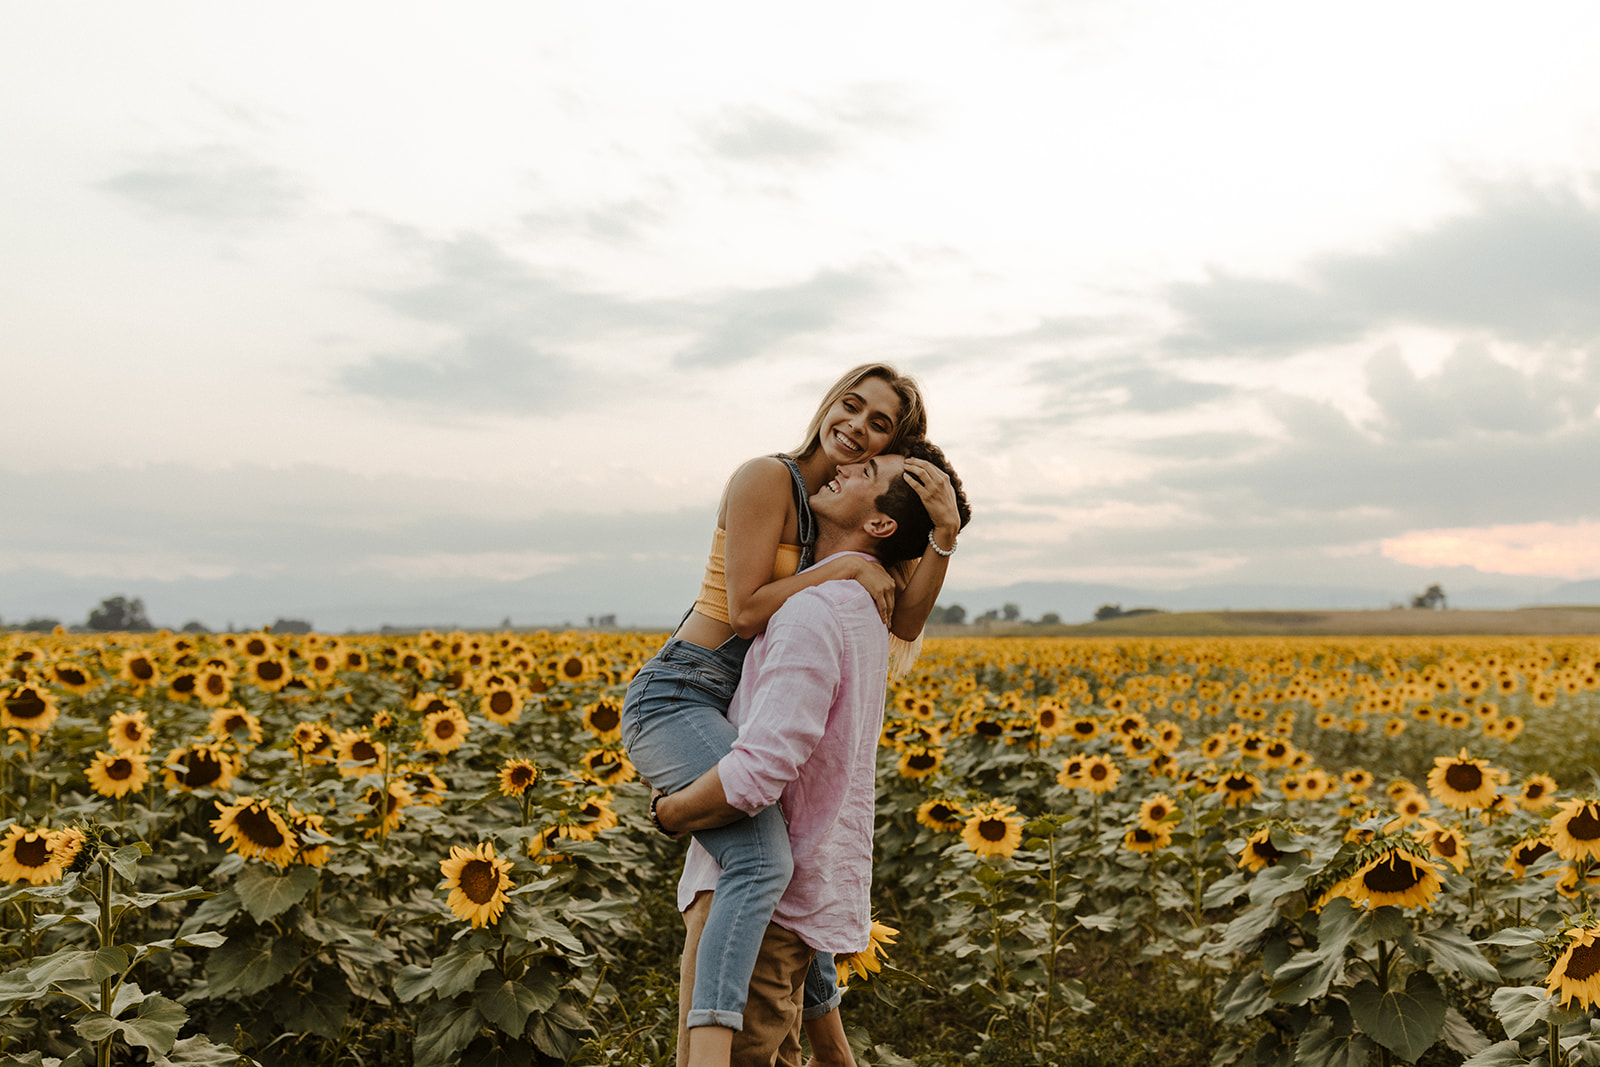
(817, 1011)
(728, 1020)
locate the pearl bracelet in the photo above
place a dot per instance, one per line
(935, 546)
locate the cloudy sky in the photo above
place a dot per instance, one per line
(390, 312)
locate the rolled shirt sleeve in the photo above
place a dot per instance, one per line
(787, 704)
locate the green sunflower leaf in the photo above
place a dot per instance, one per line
(1520, 1008)
(155, 1027)
(1405, 1022)
(248, 968)
(457, 971)
(1499, 1054)
(444, 1030)
(265, 894)
(507, 1004)
(1454, 953)
(1325, 1044)
(80, 965)
(200, 1051)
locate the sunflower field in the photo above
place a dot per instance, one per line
(430, 849)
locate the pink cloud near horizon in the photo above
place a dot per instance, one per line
(1570, 551)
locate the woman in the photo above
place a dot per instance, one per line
(674, 721)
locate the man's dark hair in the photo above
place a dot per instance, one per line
(902, 504)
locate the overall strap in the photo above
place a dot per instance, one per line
(802, 509)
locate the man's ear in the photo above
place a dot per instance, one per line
(881, 526)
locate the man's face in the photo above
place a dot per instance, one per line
(851, 498)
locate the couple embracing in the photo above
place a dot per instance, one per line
(757, 723)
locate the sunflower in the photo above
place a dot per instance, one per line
(1238, 788)
(1084, 728)
(1535, 794)
(72, 677)
(28, 707)
(116, 774)
(1446, 843)
(1576, 973)
(1260, 853)
(314, 741)
(199, 765)
(271, 673)
(606, 766)
(128, 732)
(444, 730)
(256, 645)
(1048, 719)
(945, 816)
(180, 687)
(387, 807)
(359, 754)
(1575, 829)
(919, 762)
(866, 962)
(477, 881)
(1100, 774)
(1461, 782)
(426, 787)
(1410, 806)
(1511, 728)
(229, 723)
(1394, 877)
(992, 829)
(591, 820)
(1145, 839)
(69, 845)
(213, 685)
(254, 830)
(1156, 810)
(1526, 853)
(576, 669)
(501, 704)
(29, 856)
(1359, 779)
(138, 670)
(517, 776)
(307, 830)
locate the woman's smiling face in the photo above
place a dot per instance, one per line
(861, 422)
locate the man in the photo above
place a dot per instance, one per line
(809, 708)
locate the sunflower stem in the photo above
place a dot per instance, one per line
(103, 1051)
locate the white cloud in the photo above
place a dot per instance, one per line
(1570, 551)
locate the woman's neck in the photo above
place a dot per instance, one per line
(817, 470)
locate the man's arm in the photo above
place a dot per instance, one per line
(701, 805)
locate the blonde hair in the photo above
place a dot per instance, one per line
(913, 420)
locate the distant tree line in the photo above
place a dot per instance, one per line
(956, 615)
(121, 614)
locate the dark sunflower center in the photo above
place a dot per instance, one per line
(71, 676)
(1157, 812)
(1584, 825)
(353, 660)
(1085, 728)
(1047, 719)
(269, 670)
(255, 647)
(142, 669)
(1276, 751)
(1267, 851)
(119, 769)
(32, 851)
(923, 761)
(1143, 836)
(200, 769)
(1584, 962)
(183, 683)
(940, 813)
(233, 723)
(479, 881)
(521, 777)
(605, 718)
(133, 731)
(603, 765)
(591, 814)
(215, 685)
(258, 828)
(362, 751)
(25, 704)
(993, 829)
(500, 703)
(1529, 853)
(1463, 777)
(1392, 874)
(1074, 769)
(1099, 772)
(573, 667)
(1237, 784)
(1445, 844)
(1534, 791)
(434, 705)
(444, 729)
(988, 728)
(321, 663)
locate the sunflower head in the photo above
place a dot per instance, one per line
(944, 816)
(993, 830)
(1462, 783)
(1576, 974)
(517, 777)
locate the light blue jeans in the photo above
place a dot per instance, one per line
(675, 728)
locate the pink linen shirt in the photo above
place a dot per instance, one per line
(809, 708)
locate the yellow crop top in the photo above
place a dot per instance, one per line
(713, 599)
